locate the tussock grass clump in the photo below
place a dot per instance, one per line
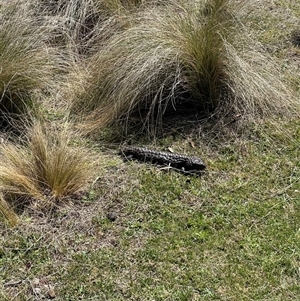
(46, 168)
(81, 25)
(27, 64)
(194, 54)
(71, 23)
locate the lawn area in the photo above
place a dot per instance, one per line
(144, 234)
(134, 231)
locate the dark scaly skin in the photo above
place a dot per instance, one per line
(183, 163)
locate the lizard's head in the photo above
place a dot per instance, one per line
(196, 163)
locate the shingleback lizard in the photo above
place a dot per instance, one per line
(178, 162)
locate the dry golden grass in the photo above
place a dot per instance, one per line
(46, 168)
(201, 50)
(79, 27)
(7, 213)
(142, 233)
(27, 63)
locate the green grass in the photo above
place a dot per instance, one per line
(140, 233)
(231, 234)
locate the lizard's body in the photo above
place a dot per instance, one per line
(183, 163)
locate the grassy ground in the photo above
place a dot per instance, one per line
(144, 234)
(141, 233)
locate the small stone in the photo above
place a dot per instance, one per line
(111, 216)
(113, 242)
